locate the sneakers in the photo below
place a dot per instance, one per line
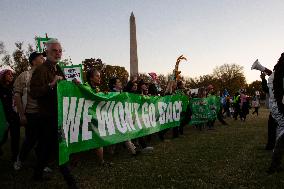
(47, 170)
(106, 164)
(147, 149)
(273, 170)
(17, 165)
(71, 182)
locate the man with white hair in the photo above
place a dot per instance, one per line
(43, 88)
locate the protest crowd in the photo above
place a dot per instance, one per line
(30, 100)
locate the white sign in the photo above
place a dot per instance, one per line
(73, 72)
(194, 91)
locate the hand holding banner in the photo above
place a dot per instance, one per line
(90, 120)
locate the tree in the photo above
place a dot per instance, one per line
(2, 48)
(202, 81)
(65, 62)
(230, 77)
(18, 61)
(255, 86)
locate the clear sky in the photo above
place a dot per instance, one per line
(208, 32)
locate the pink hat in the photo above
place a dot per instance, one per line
(153, 75)
(3, 72)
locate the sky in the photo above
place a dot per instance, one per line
(209, 33)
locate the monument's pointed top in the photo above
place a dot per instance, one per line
(132, 15)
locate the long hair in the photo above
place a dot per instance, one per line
(129, 86)
(153, 89)
(112, 83)
(139, 86)
(2, 77)
(90, 73)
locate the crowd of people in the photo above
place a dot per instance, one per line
(31, 101)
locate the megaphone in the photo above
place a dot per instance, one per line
(257, 66)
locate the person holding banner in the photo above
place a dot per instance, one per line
(115, 85)
(93, 77)
(185, 116)
(143, 90)
(6, 96)
(43, 88)
(209, 92)
(201, 94)
(170, 89)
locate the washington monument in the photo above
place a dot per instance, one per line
(133, 47)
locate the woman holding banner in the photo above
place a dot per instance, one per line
(210, 92)
(115, 85)
(94, 81)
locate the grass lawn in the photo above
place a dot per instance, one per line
(229, 157)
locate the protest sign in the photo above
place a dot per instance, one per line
(204, 109)
(40, 43)
(73, 72)
(88, 120)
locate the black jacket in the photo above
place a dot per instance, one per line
(40, 90)
(278, 86)
(6, 96)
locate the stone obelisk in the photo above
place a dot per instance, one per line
(133, 47)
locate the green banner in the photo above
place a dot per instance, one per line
(90, 120)
(204, 109)
(3, 123)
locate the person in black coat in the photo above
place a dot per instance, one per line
(6, 97)
(278, 115)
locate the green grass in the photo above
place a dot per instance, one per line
(229, 157)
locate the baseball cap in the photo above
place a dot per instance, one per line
(33, 56)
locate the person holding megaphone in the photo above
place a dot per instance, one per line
(277, 111)
(266, 87)
(257, 66)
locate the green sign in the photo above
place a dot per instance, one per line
(204, 109)
(3, 123)
(40, 42)
(90, 120)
